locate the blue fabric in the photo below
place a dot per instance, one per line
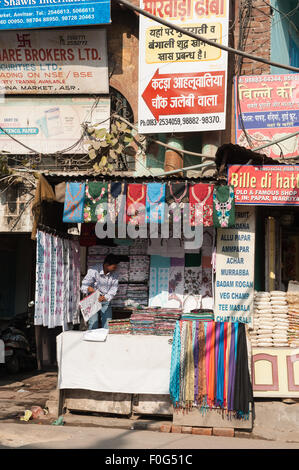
(74, 203)
(106, 314)
(220, 368)
(155, 202)
(174, 384)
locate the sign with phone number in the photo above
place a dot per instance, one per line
(25, 14)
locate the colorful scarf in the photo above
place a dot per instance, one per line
(220, 368)
(96, 199)
(74, 202)
(224, 206)
(201, 194)
(174, 387)
(155, 202)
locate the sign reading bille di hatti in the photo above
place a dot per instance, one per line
(54, 62)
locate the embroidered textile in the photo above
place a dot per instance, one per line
(176, 197)
(74, 202)
(117, 201)
(96, 199)
(223, 206)
(155, 202)
(201, 194)
(135, 204)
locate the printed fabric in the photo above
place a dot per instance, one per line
(117, 201)
(201, 194)
(135, 204)
(74, 202)
(223, 206)
(176, 196)
(96, 199)
(155, 202)
(159, 281)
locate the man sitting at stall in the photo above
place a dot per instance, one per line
(102, 277)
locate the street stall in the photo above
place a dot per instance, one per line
(164, 328)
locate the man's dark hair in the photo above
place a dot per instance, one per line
(111, 259)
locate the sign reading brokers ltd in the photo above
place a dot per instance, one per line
(182, 80)
(54, 61)
(24, 14)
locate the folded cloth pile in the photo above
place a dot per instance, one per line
(263, 321)
(293, 315)
(139, 268)
(279, 308)
(165, 321)
(203, 315)
(121, 296)
(138, 293)
(142, 323)
(120, 327)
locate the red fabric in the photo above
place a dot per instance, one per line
(88, 235)
(198, 193)
(135, 203)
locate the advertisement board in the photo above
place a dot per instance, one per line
(25, 14)
(54, 61)
(276, 185)
(269, 107)
(234, 286)
(182, 81)
(49, 125)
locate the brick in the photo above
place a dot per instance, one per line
(165, 428)
(186, 429)
(176, 428)
(224, 432)
(202, 431)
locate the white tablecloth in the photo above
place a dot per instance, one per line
(137, 364)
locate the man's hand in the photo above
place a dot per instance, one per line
(102, 298)
(90, 290)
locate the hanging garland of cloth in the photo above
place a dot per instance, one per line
(209, 368)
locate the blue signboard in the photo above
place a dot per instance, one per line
(269, 119)
(26, 14)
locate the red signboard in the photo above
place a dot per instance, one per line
(266, 185)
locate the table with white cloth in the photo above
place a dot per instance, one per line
(125, 364)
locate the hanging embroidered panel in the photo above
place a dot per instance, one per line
(159, 281)
(74, 202)
(117, 201)
(201, 193)
(224, 206)
(135, 203)
(96, 197)
(155, 202)
(177, 195)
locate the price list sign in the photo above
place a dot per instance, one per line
(182, 81)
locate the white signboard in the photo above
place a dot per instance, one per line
(48, 125)
(54, 61)
(182, 81)
(234, 287)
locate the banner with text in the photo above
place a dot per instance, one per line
(182, 81)
(54, 61)
(24, 14)
(269, 107)
(234, 286)
(49, 125)
(266, 185)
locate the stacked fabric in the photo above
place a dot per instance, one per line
(139, 268)
(279, 307)
(120, 327)
(199, 315)
(293, 316)
(138, 293)
(142, 323)
(263, 320)
(139, 247)
(165, 321)
(209, 367)
(121, 296)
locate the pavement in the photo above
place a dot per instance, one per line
(276, 424)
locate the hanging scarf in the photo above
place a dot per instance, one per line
(39, 278)
(135, 204)
(96, 198)
(223, 206)
(202, 380)
(232, 368)
(220, 368)
(208, 352)
(174, 386)
(117, 201)
(201, 194)
(211, 390)
(183, 362)
(243, 394)
(224, 364)
(189, 367)
(155, 202)
(196, 362)
(74, 202)
(229, 336)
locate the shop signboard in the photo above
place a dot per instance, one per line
(24, 14)
(182, 80)
(54, 61)
(49, 125)
(269, 107)
(265, 185)
(234, 286)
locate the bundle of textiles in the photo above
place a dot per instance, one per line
(293, 316)
(138, 293)
(279, 307)
(120, 297)
(209, 367)
(139, 268)
(165, 321)
(120, 327)
(142, 323)
(201, 315)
